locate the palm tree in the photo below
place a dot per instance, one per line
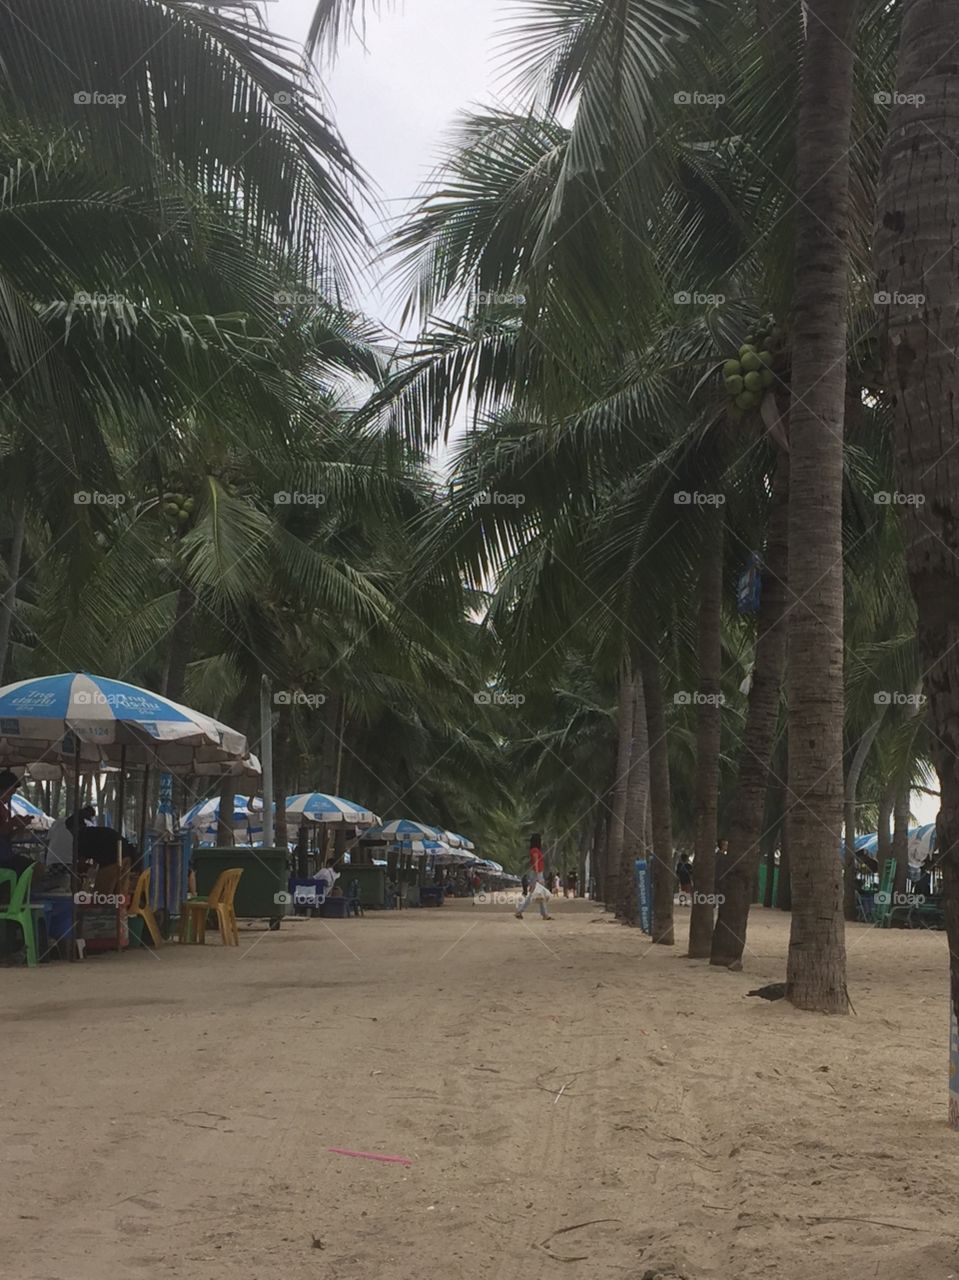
(816, 972)
(914, 248)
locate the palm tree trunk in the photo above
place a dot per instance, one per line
(748, 808)
(856, 767)
(708, 731)
(8, 600)
(883, 835)
(900, 837)
(660, 802)
(916, 255)
(181, 645)
(331, 741)
(816, 970)
(224, 827)
(637, 798)
(281, 774)
(617, 825)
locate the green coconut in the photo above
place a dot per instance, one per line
(190, 504)
(183, 516)
(745, 400)
(731, 368)
(746, 348)
(767, 377)
(752, 381)
(751, 362)
(735, 384)
(171, 508)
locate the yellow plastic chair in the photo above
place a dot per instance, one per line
(194, 911)
(140, 907)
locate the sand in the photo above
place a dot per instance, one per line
(575, 1103)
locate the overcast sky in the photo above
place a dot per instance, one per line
(393, 100)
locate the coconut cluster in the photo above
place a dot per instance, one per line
(178, 508)
(761, 359)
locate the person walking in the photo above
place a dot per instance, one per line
(538, 892)
(684, 874)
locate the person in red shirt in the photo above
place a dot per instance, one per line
(537, 887)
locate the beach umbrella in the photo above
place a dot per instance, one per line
(39, 821)
(315, 807)
(922, 842)
(249, 768)
(205, 816)
(443, 854)
(462, 842)
(93, 719)
(403, 829)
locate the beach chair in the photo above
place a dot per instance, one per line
(140, 907)
(883, 901)
(21, 912)
(194, 911)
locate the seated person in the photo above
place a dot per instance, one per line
(10, 826)
(325, 879)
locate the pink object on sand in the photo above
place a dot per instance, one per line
(370, 1155)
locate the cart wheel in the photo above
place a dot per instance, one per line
(274, 925)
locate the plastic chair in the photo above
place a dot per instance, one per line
(194, 911)
(22, 912)
(883, 908)
(140, 907)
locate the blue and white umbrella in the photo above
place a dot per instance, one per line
(39, 821)
(462, 842)
(403, 829)
(49, 717)
(205, 816)
(314, 806)
(922, 842)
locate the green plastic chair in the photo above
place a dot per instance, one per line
(883, 907)
(20, 911)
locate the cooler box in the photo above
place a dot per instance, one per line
(305, 895)
(98, 927)
(335, 909)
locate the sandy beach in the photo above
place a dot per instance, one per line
(572, 1101)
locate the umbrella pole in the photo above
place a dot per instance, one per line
(121, 803)
(74, 931)
(142, 834)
